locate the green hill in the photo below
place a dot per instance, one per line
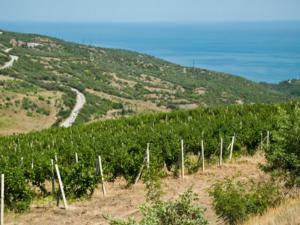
(117, 82)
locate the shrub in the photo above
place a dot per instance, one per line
(180, 212)
(17, 194)
(235, 201)
(283, 154)
(192, 163)
(79, 180)
(152, 180)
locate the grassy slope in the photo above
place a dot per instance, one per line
(25, 107)
(286, 213)
(291, 87)
(58, 64)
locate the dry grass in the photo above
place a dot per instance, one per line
(138, 105)
(288, 213)
(15, 120)
(124, 202)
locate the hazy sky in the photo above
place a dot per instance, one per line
(149, 10)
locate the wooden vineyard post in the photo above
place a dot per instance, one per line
(52, 178)
(101, 174)
(268, 139)
(148, 155)
(76, 157)
(221, 153)
(140, 172)
(231, 147)
(2, 199)
(61, 187)
(261, 140)
(147, 160)
(202, 154)
(182, 160)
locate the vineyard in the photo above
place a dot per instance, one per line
(25, 159)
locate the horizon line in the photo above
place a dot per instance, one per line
(154, 22)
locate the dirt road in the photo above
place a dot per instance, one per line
(80, 101)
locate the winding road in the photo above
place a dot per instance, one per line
(80, 101)
(80, 98)
(10, 63)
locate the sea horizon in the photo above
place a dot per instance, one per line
(259, 51)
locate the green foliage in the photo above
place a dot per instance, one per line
(152, 180)
(95, 107)
(3, 58)
(192, 163)
(122, 144)
(283, 154)
(182, 211)
(235, 200)
(289, 87)
(79, 180)
(17, 193)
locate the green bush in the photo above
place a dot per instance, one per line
(79, 180)
(17, 194)
(283, 154)
(235, 200)
(180, 212)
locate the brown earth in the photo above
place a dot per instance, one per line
(14, 119)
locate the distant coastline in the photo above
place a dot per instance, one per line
(268, 51)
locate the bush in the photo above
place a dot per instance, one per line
(152, 180)
(79, 180)
(180, 212)
(235, 201)
(192, 163)
(17, 194)
(283, 154)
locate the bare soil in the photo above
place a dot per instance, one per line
(15, 120)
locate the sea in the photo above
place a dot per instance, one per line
(259, 51)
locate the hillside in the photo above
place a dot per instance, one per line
(115, 82)
(289, 87)
(26, 159)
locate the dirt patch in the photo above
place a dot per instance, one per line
(239, 102)
(156, 89)
(14, 119)
(4, 78)
(124, 202)
(187, 106)
(136, 105)
(200, 91)
(120, 83)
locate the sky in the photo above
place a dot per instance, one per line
(148, 10)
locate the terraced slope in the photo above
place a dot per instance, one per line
(119, 82)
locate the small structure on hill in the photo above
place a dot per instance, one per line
(16, 43)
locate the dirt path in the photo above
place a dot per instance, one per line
(80, 101)
(124, 203)
(10, 63)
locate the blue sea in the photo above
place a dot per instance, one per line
(260, 51)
